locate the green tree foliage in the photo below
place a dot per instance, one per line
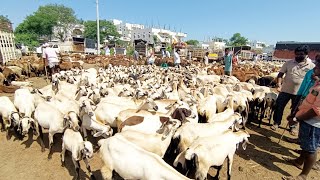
(155, 39)
(28, 39)
(108, 31)
(238, 40)
(193, 42)
(42, 22)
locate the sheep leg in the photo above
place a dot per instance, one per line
(85, 135)
(106, 172)
(7, 134)
(41, 139)
(63, 152)
(77, 168)
(230, 161)
(50, 145)
(218, 171)
(88, 168)
(261, 116)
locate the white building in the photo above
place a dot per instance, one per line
(126, 29)
(216, 45)
(162, 35)
(131, 32)
(257, 44)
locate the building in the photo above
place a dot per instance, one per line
(257, 44)
(126, 29)
(284, 50)
(154, 35)
(7, 44)
(268, 49)
(75, 30)
(131, 32)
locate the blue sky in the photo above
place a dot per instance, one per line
(265, 20)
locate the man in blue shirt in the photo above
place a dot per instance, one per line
(227, 62)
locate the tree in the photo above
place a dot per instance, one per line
(45, 19)
(5, 24)
(4, 18)
(155, 39)
(27, 39)
(108, 31)
(238, 40)
(193, 42)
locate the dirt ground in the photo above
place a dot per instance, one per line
(261, 160)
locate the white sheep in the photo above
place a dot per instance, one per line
(157, 143)
(51, 118)
(73, 142)
(9, 114)
(133, 162)
(212, 151)
(90, 123)
(24, 102)
(25, 124)
(188, 132)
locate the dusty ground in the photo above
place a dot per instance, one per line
(262, 159)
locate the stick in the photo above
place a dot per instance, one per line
(283, 133)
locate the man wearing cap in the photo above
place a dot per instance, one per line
(51, 57)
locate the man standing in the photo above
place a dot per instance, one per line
(107, 51)
(189, 56)
(294, 71)
(51, 58)
(206, 58)
(39, 51)
(136, 55)
(177, 60)
(150, 56)
(167, 53)
(309, 133)
(227, 62)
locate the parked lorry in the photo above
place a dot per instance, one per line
(77, 45)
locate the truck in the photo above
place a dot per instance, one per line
(77, 45)
(141, 46)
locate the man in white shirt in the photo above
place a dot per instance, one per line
(51, 57)
(176, 57)
(206, 58)
(167, 54)
(107, 51)
(39, 51)
(150, 56)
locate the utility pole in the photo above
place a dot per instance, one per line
(98, 28)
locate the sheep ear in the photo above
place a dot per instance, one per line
(77, 90)
(91, 102)
(98, 134)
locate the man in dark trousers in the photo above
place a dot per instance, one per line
(294, 71)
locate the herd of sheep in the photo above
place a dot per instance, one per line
(140, 113)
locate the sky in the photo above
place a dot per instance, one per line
(264, 20)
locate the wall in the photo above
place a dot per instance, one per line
(287, 54)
